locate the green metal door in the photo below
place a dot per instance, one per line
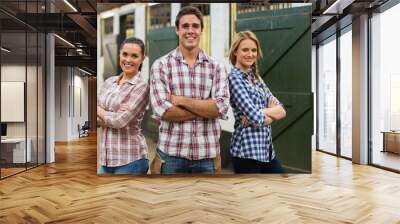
(110, 53)
(160, 42)
(285, 39)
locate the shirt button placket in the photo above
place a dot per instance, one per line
(194, 123)
(194, 141)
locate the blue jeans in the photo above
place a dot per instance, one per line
(137, 167)
(177, 165)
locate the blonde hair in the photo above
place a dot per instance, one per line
(239, 37)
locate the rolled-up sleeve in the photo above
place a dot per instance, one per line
(241, 99)
(220, 91)
(137, 103)
(159, 90)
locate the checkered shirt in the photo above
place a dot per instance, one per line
(123, 141)
(255, 141)
(199, 138)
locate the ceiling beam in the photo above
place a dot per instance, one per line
(81, 61)
(85, 25)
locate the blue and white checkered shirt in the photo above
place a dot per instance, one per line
(255, 141)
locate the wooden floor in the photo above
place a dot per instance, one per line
(70, 191)
(386, 159)
(10, 171)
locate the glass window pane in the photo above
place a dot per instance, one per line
(385, 89)
(160, 16)
(31, 97)
(41, 99)
(14, 153)
(22, 88)
(346, 94)
(327, 97)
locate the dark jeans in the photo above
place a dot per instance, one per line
(241, 165)
(137, 167)
(177, 165)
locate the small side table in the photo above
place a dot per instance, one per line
(391, 141)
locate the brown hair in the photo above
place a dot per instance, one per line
(189, 10)
(239, 37)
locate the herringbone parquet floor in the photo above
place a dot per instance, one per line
(69, 191)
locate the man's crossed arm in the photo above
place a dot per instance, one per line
(185, 108)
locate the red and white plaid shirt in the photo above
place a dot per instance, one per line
(123, 141)
(199, 138)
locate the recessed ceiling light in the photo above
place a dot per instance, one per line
(70, 5)
(64, 40)
(5, 49)
(337, 7)
(84, 71)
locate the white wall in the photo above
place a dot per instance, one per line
(67, 114)
(14, 73)
(80, 83)
(140, 32)
(17, 73)
(33, 127)
(175, 7)
(220, 19)
(61, 103)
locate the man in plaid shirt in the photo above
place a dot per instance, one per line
(189, 93)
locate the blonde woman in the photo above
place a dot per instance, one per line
(254, 107)
(122, 101)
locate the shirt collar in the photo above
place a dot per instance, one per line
(132, 81)
(239, 71)
(177, 54)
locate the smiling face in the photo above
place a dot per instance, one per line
(246, 54)
(189, 32)
(130, 58)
